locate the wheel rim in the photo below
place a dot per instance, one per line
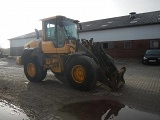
(78, 73)
(31, 69)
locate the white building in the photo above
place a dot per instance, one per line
(125, 36)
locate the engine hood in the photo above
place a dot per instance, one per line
(152, 55)
(32, 44)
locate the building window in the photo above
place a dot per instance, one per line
(154, 44)
(108, 45)
(127, 44)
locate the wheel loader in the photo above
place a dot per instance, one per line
(83, 62)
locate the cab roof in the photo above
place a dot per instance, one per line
(53, 17)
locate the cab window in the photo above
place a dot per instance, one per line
(50, 34)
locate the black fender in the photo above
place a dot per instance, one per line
(73, 55)
(33, 52)
(39, 55)
(25, 55)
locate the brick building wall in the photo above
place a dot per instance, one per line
(130, 49)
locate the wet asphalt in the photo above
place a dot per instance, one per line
(54, 99)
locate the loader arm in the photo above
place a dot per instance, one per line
(108, 73)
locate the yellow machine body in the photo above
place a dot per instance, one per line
(60, 50)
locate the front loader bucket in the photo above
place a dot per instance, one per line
(117, 79)
(121, 77)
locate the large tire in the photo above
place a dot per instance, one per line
(82, 73)
(33, 71)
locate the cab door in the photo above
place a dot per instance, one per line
(50, 42)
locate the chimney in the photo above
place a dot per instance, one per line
(132, 15)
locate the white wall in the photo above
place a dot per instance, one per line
(130, 33)
(21, 42)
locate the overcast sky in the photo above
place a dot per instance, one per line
(18, 17)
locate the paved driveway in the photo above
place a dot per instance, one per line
(142, 88)
(54, 99)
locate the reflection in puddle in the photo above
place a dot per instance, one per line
(106, 110)
(11, 112)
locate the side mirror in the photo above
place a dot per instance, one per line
(80, 26)
(37, 33)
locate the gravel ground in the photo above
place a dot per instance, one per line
(54, 99)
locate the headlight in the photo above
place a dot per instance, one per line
(144, 58)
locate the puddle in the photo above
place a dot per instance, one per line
(106, 110)
(3, 63)
(26, 83)
(11, 112)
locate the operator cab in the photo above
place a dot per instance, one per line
(59, 30)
